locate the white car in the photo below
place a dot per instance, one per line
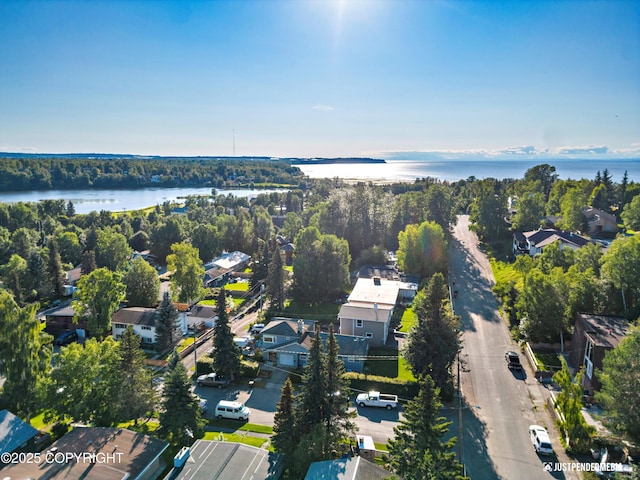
(540, 439)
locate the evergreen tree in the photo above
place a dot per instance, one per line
(260, 265)
(226, 355)
(136, 395)
(71, 210)
(37, 274)
(180, 420)
(56, 275)
(88, 262)
(174, 359)
(419, 451)
(275, 281)
(283, 438)
(312, 408)
(338, 419)
(167, 331)
(434, 342)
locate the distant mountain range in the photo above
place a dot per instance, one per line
(106, 156)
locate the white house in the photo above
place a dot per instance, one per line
(198, 316)
(369, 309)
(142, 319)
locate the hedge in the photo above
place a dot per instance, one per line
(402, 388)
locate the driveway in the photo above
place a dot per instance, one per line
(498, 406)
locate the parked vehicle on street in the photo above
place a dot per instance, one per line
(540, 440)
(513, 361)
(66, 338)
(212, 380)
(233, 410)
(377, 399)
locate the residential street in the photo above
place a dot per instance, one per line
(498, 405)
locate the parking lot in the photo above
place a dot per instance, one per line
(263, 396)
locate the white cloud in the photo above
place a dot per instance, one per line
(582, 150)
(323, 108)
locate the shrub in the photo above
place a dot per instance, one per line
(401, 388)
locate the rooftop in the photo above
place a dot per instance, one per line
(121, 454)
(375, 290)
(604, 330)
(14, 432)
(353, 468)
(228, 461)
(135, 316)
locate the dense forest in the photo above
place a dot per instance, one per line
(43, 173)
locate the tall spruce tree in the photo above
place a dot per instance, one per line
(338, 419)
(167, 333)
(275, 281)
(180, 420)
(136, 395)
(226, 355)
(419, 451)
(313, 399)
(56, 276)
(283, 438)
(435, 341)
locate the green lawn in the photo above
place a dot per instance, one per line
(211, 302)
(409, 319)
(548, 360)
(393, 367)
(38, 422)
(237, 287)
(234, 437)
(300, 310)
(245, 427)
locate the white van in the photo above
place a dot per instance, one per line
(234, 410)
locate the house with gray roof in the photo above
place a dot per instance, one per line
(533, 242)
(287, 343)
(209, 459)
(15, 433)
(142, 319)
(351, 468)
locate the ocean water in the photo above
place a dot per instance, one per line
(453, 170)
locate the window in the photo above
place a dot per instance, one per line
(588, 359)
(351, 358)
(368, 335)
(359, 323)
(267, 339)
(147, 340)
(119, 325)
(145, 327)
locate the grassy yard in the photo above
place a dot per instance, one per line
(547, 360)
(244, 427)
(324, 310)
(234, 437)
(393, 367)
(237, 287)
(210, 302)
(409, 319)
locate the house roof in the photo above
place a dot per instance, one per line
(14, 432)
(375, 290)
(286, 327)
(383, 271)
(228, 260)
(66, 311)
(604, 330)
(545, 236)
(203, 311)
(215, 273)
(352, 468)
(365, 311)
(349, 344)
(228, 461)
(131, 453)
(135, 316)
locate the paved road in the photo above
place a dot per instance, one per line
(498, 405)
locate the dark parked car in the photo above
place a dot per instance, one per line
(66, 338)
(513, 361)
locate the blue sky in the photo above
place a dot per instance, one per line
(321, 78)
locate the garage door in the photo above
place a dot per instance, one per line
(287, 359)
